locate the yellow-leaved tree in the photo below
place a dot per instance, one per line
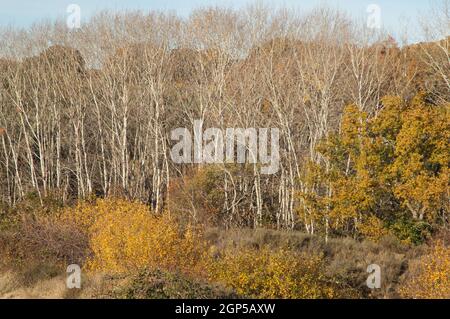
(389, 170)
(421, 164)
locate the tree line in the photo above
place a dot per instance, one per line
(89, 112)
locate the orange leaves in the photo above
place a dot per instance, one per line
(2, 131)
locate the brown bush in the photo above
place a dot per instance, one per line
(46, 239)
(195, 198)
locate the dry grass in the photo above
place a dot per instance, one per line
(37, 248)
(346, 259)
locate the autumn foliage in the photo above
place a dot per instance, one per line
(126, 236)
(430, 276)
(383, 170)
(87, 132)
(276, 274)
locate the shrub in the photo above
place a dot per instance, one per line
(429, 278)
(31, 206)
(125, 236)
(274, 274)
(48, 237)
(373, 229)
(346, 259)
(44, 240)
(195, 198)
(410, 231)
(157, 284)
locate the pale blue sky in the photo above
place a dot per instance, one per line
(395, 13)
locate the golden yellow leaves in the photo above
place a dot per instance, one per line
(269, 273)
(422, 157)
(352, 126)
(395, 163)
(125, 236)
(430, 278)
(373, 229)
